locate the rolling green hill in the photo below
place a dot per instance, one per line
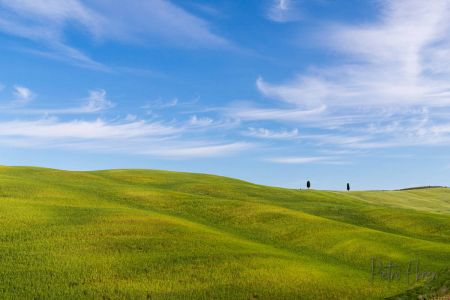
(145, 234)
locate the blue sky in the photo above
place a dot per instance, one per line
(271, 91)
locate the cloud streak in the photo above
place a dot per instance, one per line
(23, 95)
(304, 160)
(283, 11)
(198, 150)
(155, 139)
(271, 134)
(85, 130)
(96, 102)
(390, 88)
(46, 21)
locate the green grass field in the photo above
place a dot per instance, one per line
(141, 234)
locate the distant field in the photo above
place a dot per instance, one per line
(142, 234)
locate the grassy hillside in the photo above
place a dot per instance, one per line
(145, 234)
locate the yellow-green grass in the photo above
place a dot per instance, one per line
(426, 199)
(143, 234)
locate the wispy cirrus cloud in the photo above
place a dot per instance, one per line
(389, 63)
(161, 103)
(52, 128)
(46, 21)
(156, 139)
(271, 134)
(138, 21)
(22, 95)
(391, 87)
(199, 149)
(304, 160)
(131, 135)
(94, 103)
(200, 121)
(283, 11)
(250, 112)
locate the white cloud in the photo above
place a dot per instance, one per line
(196, 121)
(161, 103)
(97, 101)
(393, 60)
(304, 91)
(55, 10)
(283, 11)
(45, 21)
(206, 150)
(132, 137)
(303, 160)
(78, 129)
(137, 21)
(392, 87)
(252, 113)
(22, 95)
(94, 103)
(271, 134)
